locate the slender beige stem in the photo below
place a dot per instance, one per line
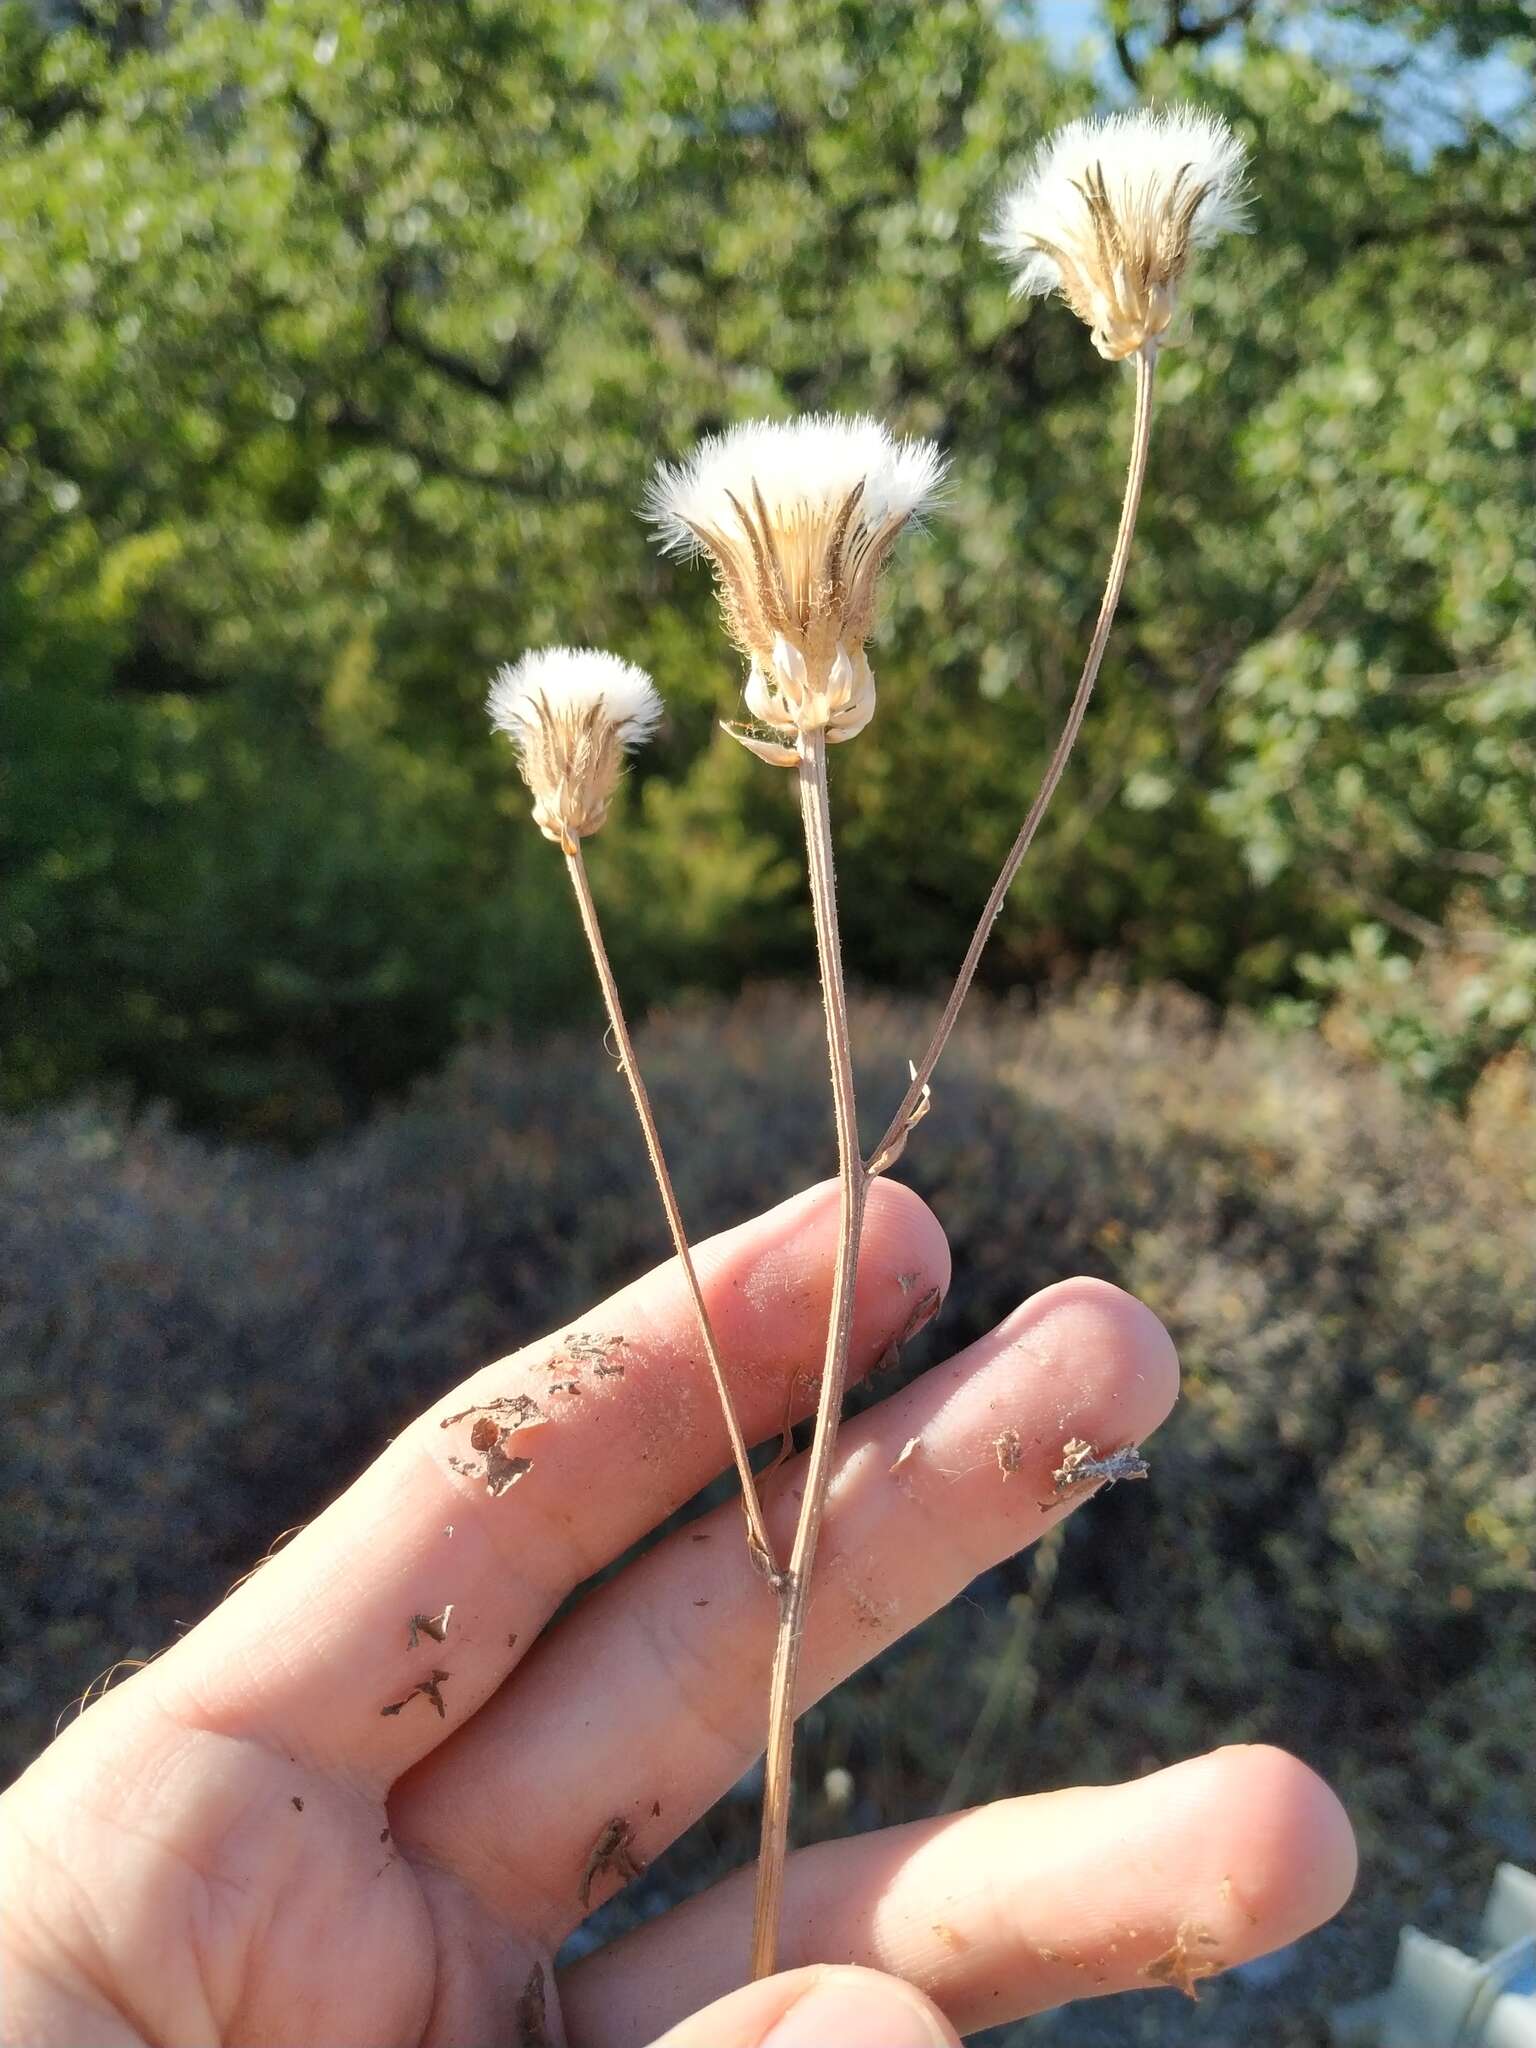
(752, 1507)
(795, 1586)
(889, 1149)
(855, 1179)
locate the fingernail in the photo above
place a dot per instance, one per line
(853, 2009)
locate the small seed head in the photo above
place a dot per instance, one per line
(1110, 214)
(572, 714)
(798, 520)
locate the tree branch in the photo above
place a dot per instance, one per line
(665, 326)
(519, 360)
(353, 424)
(1452, 222)
(1179, 30)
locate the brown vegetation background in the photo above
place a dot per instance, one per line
(204, 1342)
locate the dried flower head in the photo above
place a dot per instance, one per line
(1111, 212)
(798, 520)
(572, 713)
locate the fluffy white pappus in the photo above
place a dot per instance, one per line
(802, 468)
(568, 682)
(1148, 161)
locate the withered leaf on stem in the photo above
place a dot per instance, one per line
(1010, 1454)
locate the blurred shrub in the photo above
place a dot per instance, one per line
(1436, 1018)
(201, 1345)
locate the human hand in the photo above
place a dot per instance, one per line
(313, 1821)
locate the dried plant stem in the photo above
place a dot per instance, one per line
(889, 1149)
(752, 1507)
(795, 1586)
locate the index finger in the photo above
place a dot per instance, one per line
(392, 1617)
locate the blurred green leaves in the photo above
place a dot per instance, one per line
(336, 344)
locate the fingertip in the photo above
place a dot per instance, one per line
(1265, 1839)
(857, 2008)
(902, 1249)
(1302, 1858)
(1135, 1367)
(816, 2007)
(903, 1234)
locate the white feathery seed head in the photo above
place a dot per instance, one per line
(572, 713)
(798, 519)
(1110, 213)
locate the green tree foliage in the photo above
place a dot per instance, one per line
(337, 338)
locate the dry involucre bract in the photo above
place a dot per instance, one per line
(798, 519)
(572, 713)
(1111, 212)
